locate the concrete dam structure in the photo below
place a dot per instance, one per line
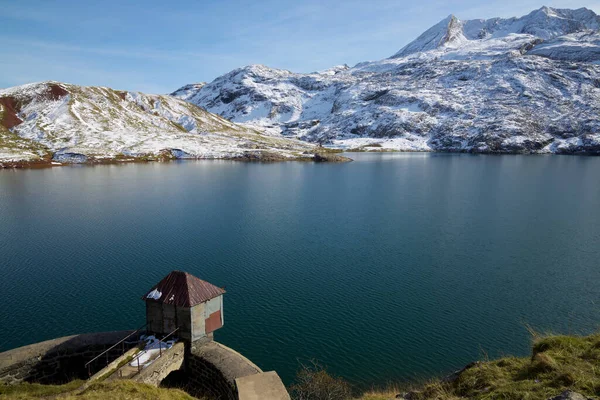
(175, 347)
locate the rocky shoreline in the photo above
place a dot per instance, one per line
(166, 156)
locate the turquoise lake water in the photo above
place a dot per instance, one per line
(392, 267)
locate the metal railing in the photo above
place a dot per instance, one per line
(137, 357)
(120, 342)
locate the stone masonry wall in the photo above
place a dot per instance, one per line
(205, 380)
(171, 360)
(212, 369)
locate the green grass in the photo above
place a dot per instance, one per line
(35, 390)
(128, 390)
(120, 390)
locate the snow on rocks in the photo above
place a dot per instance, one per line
(72, 158)
(517, 85)
(545, 23)
(90, 124)
(576, 47)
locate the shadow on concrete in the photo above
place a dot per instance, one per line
(61, 360)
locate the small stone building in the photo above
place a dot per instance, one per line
(181, 300)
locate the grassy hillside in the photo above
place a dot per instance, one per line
(557, 363)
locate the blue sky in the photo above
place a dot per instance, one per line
(157, 46)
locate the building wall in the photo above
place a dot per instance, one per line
(154, 315)
(164, 318)
(214, 314)
(194, 323)
(184, 319)
(169, 314)
(198, 321)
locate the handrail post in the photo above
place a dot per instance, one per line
(122, 342)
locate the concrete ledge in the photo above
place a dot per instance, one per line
(111, 368)
(72, 342)
(232, 364)
(262, 386)
(212, 369)
(171, 360)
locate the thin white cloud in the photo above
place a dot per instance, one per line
(147, 53)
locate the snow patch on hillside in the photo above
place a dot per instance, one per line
(72, 121)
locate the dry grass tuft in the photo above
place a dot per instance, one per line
(314, 383)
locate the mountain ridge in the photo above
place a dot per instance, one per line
(58, 122)
(479, 86)
(544, 23)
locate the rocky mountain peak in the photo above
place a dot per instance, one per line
(544, 23)
(447, 30)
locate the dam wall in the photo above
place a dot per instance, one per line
(203, 368)
(61, 360)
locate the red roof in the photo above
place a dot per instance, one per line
(183, 290)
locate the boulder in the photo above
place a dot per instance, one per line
(326, 157)
(69, 157)
(569, 395)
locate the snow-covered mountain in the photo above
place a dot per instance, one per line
(545, 23)
(68, 123)
(528, 84)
